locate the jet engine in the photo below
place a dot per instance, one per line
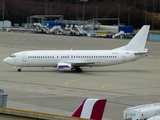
(64, 66)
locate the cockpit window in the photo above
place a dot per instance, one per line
(12, 55)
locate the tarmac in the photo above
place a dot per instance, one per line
(51, 91)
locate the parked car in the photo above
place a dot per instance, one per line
(129, 35)
(109, 36)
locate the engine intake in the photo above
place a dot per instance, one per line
(64, 66)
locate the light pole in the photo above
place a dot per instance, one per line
(46, 7)
(50, 10)
(145, 14)
(96, 11)
(77, 11)
(153, 17)
(3, 13)
(83, 17)
(83, 13)
(128, 16)
(118, 14)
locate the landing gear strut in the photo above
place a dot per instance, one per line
(78, 69)
(19, 69)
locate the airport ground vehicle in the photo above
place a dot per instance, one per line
(142, 112)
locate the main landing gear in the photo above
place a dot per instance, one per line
(78, 69)
(19, 69)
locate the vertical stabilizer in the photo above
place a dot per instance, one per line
(138, 42)
(90, 109)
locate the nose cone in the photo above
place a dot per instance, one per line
(7, 60)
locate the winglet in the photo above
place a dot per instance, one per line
(90, 109)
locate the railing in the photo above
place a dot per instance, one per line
(37, 115)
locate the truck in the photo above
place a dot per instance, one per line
(142, 112)
(154, 118)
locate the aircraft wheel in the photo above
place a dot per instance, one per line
(78, 69)
(19, 70)
(72, 69)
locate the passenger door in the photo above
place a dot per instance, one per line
(24, 57)
(123, 56)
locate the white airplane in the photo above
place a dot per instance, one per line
(156, 117)
(74, 59)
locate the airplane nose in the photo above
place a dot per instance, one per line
(6, 60)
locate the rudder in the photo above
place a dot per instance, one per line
(91, 109)
(138, 42)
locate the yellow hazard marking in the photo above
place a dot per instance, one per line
(80, 79)
(111, 83)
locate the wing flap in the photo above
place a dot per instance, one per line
(80, 63)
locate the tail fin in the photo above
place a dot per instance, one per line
(138, 42)
(90, 109)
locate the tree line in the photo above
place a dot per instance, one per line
(17, 11)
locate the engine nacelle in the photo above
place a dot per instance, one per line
(64, 66)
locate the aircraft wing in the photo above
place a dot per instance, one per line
(80, 63)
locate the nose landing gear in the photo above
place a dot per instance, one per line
(18, 68)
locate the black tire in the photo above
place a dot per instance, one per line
(19, 70)
(78, 69)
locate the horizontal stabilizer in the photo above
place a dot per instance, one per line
(141, 52)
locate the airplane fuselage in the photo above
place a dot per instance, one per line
(50, 58)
